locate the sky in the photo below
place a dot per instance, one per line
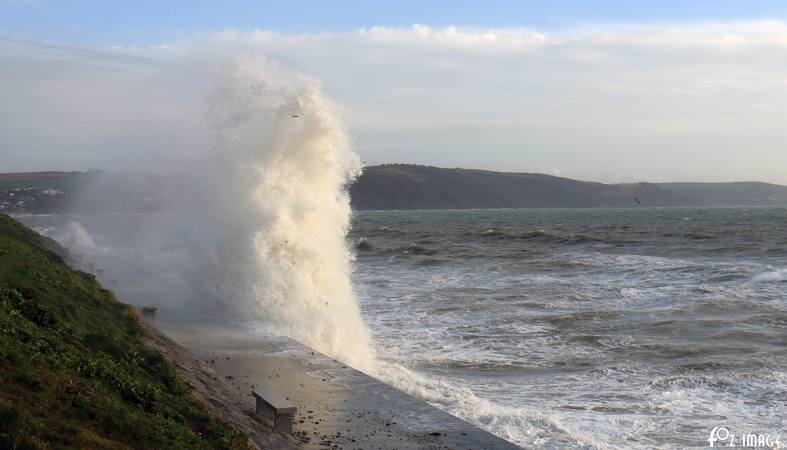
(605, 91)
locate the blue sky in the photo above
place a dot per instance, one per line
(147, 22)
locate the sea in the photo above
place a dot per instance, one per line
(558, 328)
(598, 328)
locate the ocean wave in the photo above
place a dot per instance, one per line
(776, 276)
(629, 292)
(364, 245)
(693, 236)
(540, 235)
(518, 425)
(691, 382)
(570, 320)
(386, 229)
(492, 232)
(416, 249)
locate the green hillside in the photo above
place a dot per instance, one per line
(74, 369)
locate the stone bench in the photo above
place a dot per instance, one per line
(275, 409)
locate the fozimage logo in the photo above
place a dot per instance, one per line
(721, 437)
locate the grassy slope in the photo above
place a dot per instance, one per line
(74, 371)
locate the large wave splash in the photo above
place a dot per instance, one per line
(291, 161)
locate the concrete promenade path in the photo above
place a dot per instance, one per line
(338, 407)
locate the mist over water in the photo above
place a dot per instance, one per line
(76, 237)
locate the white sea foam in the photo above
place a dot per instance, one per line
(289, 155)
(775, 276)
(518, 425)
(629, 292)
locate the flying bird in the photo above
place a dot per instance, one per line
(637, 200)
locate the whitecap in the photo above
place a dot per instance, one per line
(776, 276)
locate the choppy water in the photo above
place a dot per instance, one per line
(605, 328)
(594, 328)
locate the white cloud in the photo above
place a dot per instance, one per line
(453, 37)
(670, 101)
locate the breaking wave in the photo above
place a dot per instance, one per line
(518, 425)
(776, 276)
(289, 156)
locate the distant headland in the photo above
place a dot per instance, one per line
(388, 187)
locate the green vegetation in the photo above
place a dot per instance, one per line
(74, 369)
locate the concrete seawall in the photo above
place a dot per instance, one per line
(338, 407)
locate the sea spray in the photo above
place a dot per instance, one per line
(290, 158)
(254, 230)
(290, 152)
(77, 237)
